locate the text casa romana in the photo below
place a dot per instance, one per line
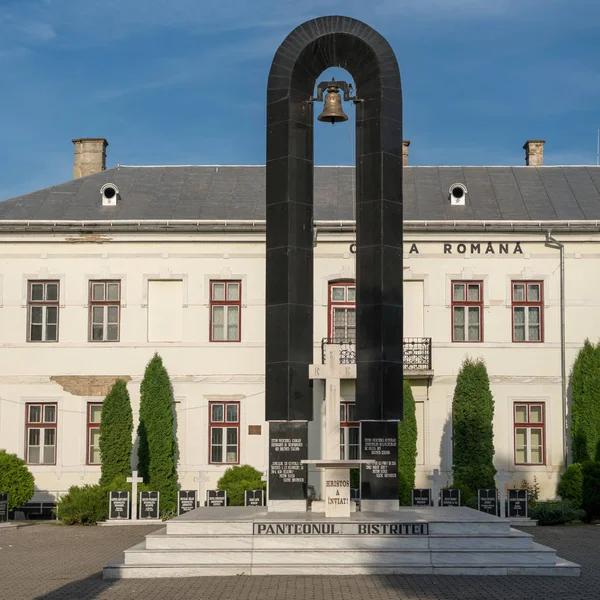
(472, 248)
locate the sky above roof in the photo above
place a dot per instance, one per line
(184, 81)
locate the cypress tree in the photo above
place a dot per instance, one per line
(157, 448)
(473, 415)
(116, 427)
(407, 447)
(585, 407)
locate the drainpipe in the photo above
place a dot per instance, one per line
(552, 243)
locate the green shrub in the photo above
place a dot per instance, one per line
(157, 447)
(466, 494)
(407, 447)
(116, 428)
(570, 486)
(556, 513)
(237, 479)
(590, 490)
(533, 491)
(473, 414)
(585, 408)
(85, 505)
(15, 480)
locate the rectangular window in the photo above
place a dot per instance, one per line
(94, 412)
(527, 311)
(105, 311)
(40, 434)
(42, 309)
(467, 311)
(224, 432)
(342, 311)
(529, 434)
(349, 432)
(225, 311)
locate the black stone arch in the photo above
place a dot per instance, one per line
(307, 51)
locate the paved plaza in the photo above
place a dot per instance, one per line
(50, 561)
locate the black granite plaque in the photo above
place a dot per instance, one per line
(254, 498)
(149, 505)
(216, 498)
(3, 508)
(517, 503)
(379, 442)
(118, 505)
(186, 501)
(450, 497)
(487, 501)
(287, 449)
(421, 497)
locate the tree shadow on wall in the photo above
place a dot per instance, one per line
(446, 449)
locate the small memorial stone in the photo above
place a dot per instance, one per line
(186, 501)
(254, 498)
(216, 498)
(421, 497)
(450, 497)
(517, 503)
(3, 508)
(119, 505)
(487, 501)
(149, 505)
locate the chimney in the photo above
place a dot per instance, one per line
(90, 156)
(405, 145)
(534, 153)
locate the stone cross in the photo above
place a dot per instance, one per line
(501, 479)
(134, 480)
(436, 478)
(201, 479)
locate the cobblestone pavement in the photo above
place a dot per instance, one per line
(50, 561)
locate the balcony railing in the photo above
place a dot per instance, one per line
(417, 352)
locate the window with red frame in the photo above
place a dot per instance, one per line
(467, 311)
(527, 311)
(105, 309)
(342, 311)
(42, 311)
(225, 311)
(224, 434)
(94, 412)
(349, 432)
(529, 433)
(40, 434)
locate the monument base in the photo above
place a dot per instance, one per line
(286, 506)
(380, 506)
(254, 541)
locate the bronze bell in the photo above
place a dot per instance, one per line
(332, 109)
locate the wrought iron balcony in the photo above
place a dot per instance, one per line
(417, 352)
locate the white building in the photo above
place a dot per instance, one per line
(108, 268)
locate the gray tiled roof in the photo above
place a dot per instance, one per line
(238, 193)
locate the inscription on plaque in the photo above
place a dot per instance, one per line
(3, 508)
(400, 529)
(149, 505)
(337, 493)
(287, 449)
(216, 498)
(517, 503)
(254, 498)
(379, 442)
(487, 501)
(450, 497)
(421, 497)
(186, 501)
(118, 505)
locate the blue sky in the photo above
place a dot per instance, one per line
(184, 81)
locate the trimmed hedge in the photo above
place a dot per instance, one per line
(407, 447)
(590, 490)
(236, 480)
(157, 446)
(473, 415)
(15, 480)
(116, 428)
(556, 513)
(585, 408)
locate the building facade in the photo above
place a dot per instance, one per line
(118, 264)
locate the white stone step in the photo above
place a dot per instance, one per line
(538, 555)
